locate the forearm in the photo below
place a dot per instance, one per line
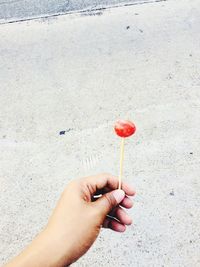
(76, 222)
(42, 252)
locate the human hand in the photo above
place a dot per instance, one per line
(79, 215)
(86, 205)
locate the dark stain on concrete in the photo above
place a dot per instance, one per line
(65, 131)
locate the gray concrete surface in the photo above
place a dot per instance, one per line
(82, 73)
(24, 9)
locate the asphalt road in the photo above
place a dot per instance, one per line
(25, 9)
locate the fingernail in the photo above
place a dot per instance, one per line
(119, 195)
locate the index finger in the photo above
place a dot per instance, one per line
(100, 181)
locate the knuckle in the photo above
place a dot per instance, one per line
(111, 200)
(105, 174)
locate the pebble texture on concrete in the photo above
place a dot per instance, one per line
(79, 74)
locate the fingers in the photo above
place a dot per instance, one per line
(114, 225)
(126, 203)
(104, 183)
(108, 202)
(117, 220)
(99, 182)
(129, 190)
(121, 216)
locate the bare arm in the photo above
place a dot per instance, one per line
(77, 220)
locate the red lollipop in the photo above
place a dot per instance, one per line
(123, 129)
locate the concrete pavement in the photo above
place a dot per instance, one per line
(80, 74)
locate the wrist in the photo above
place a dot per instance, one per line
(43, 251)
(56, 247)
(51, 249)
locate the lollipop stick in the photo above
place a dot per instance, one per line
(121, 162)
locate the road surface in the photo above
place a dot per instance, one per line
(80, 73)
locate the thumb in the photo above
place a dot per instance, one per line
(109, 201)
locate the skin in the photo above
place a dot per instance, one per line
(85, 206)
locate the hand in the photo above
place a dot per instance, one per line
(78, 217)
(85, 206)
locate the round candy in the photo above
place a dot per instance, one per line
(124, 128)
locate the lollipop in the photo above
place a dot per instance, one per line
(123, 129)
